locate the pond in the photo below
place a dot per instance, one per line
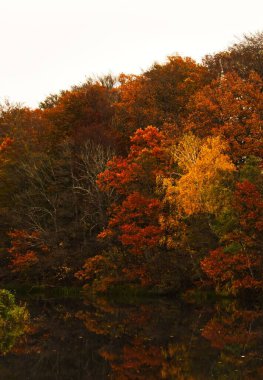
(81, 339)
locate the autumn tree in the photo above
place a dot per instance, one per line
(82, 113)
(158, 96)
(26, 251)
(134, 219)
(242, 57)
(134, 215)
(230, 107)
(29, 135)
(237, 264)
(201, 168)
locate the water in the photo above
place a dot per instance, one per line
(77, 339)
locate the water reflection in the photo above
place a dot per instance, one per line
(153, 339)
(237, 333)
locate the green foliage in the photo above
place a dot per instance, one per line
(233, 247)
(225, 222)
(251, 170)
(13, 321)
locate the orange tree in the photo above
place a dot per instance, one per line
(82, 113)
(158, 96)
(230, 107)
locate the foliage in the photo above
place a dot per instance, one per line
(149, 180)
(134, 217)
(202, 180)
(13, 320)
(237, 264)
(243, 57)
(25, 249)
(158, 96)
(230, 107)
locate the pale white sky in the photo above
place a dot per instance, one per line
(49, 45)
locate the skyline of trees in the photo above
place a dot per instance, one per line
(151, 180)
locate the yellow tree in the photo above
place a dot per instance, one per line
(203, 166)
(197, 189)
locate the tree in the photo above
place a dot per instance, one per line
(158, 96)
(134, 215)
(242, 57)
(81, 114)
(91, 160)
(237, 264)
(26, 250)
(230, 107)
(200, 188)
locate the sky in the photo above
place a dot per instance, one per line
(51, 45)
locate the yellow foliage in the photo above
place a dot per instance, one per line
(200, 188)
(186, 152)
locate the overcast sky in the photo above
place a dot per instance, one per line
(49, 45)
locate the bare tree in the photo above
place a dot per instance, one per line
(92, 160)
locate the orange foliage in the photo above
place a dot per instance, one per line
(83, 113)
(230, 107)
(157, 96)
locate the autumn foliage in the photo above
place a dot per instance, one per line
(150, 180)
(230, 107)
(134, 217)
(237, 264)
(25, 249)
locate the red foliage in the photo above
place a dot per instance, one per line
(134, 218)
(232, 271)
(159, 95)
(25, 248)
(241, 267)
(5, 143)
(135, 222)
(138, 171)
(249, 205)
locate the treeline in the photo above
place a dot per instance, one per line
(153, 179)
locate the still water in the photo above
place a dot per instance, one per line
(80, 339)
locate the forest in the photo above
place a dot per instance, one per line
(149, 182)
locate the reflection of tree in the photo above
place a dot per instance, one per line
(134, 335)
(136, 360)
(137, 340)
(13, 321)
(55, 346)
(178, 362)
(151, 340)
(238, 334)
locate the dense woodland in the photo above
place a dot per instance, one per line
(152, 181)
